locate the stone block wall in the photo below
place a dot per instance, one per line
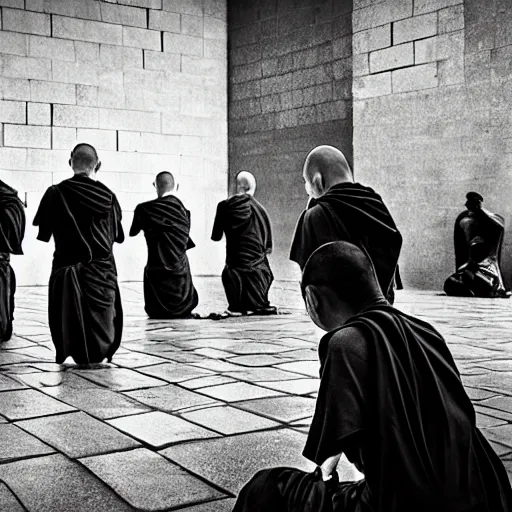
(145, 81)
(432, 118)
(290, 68)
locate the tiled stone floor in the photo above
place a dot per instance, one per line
(191, 409)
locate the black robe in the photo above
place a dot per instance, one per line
(12, 231)
(353, 213)
(85, 312)
(478, 238)
(247, 276)
(168, 288)
(391, 398)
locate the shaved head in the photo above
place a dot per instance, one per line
(338, 281)
(164, 182)
(325, 166)
(84, 159)
(245, 183)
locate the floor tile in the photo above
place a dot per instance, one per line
(174, 372)
(9, 383)
(29, 403)
(238, 391)
(228, 420)
(8, 501)
(120, 379)
(148, 481)
(286, 408)
(77, 434)
(159, 429)
(17, 444)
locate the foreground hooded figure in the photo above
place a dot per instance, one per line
(84, 217)
(478, 237)
(12, 230)
(340, 209)
(168, 288)
(391, 399)
(247, 275)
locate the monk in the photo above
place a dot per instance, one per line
(168, 288)
(84, 217)
(478, 237)
(12, 231)
(340, 209)
(391, 399)
(247, 275)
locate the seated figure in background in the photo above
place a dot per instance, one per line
(168, 288)
(12, 231)
(391, 399)
(478, 237)
(245, 223)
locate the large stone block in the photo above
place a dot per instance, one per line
(13, 43)
(165, 21)
(123, 15)
(100, 139)
(14, 159)
(215, 9)
(129, 141)
(39, 114)
(159, 61)
(415, 78)
(381, 13)
(118, 57)
(184, 6)
(439, 48)
(203, 67)
(423, 6)
(129, 120)
(13, 112)
(180, 43)
(51, 48)
(451, 19)
(87, 9)
(63, 138)
(392, 58)
(22, 136)
(87, 95)
(175, 124)
(26, 67)
(215, 49)
(16, 4)
(150, 4)
(75, 72)
(191, 25)
(15, 20)
(372, 86)
(417, 27)
(85, 30)
(75, 116)
(142, 38)
(158, 143)
(215, 29)
(14, 89)
(87, 52)
(52, 92)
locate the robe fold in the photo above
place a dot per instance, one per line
(478, 239)
(247, 276)
(353, 213)
(392, 399)
(12, 231)
(169, 291)
(84, 310)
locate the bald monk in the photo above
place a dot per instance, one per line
(12, 231)
(391, 400)
(84, 217)
(478, 237)
(340, 209)
(247, 275)
(168, 288)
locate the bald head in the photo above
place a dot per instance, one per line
(245, 183)
(338, 281)
(325, 166)
(164, 182)
(84, 159)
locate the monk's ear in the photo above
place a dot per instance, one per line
(97, 167)
(318, 184)
(311, 297)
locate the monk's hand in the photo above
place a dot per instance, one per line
(329, 465)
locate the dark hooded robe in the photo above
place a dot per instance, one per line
(392, 400)
(247, 275)
(168, 288)
(12, 231)
(478, 238)
(352, 213)
(85, 312)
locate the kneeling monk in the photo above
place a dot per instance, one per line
(84, 217)
(12, 230)
(247, 275)
(168, 288)
(391, 399)
(478, 237)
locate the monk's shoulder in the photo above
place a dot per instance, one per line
(349, 343)
(314, 214)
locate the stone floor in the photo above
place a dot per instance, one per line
(191, 409)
